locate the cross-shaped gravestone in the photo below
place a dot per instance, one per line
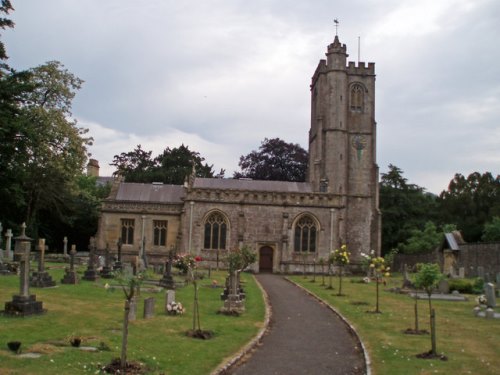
(25, 303)
(167, 281)
(91, 274)
(70, 276)
(41, 279)
(106, 270)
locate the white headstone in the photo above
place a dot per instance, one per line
(489, 291)
(461, 272)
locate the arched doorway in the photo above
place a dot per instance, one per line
(266, 259)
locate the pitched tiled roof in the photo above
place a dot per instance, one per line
(252, 185)
(150, 193)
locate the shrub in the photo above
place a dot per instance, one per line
(467, 286)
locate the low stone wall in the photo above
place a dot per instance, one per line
(470, 257)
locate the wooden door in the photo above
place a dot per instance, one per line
(266, 259)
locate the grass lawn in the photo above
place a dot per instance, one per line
(90, 311)
(471, 344)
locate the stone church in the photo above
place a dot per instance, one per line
(285, 223)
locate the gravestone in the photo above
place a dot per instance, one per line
(170, 297)
(233, 303)
(132, 313)
(24, 303)
(106, 272)
(118, 264)
(480, 272)
(41, 278)
(90, 273)
(167, 281)
(444, 286)
(452, 272)
(8, 244)
(461, 272)
(65, 245)
(70, 275)
(489, 292)
(406, 278)
(498, 280)
(149, 307)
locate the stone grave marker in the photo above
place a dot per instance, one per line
(149, 307)
(118, 263)
(444, 287)
(461, 272)
(70, 275)
(8, 244)
(24, 303)
(132, 313)
(489, 292)
(90, 273)
(498, 280)
(480, 272)
(41, 278)
(106, 272)
(167, 281)
(233, 302)
(65, 245)
(169, 298)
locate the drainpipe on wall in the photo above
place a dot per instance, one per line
(143, 241)
(190, 227)
(332, 216)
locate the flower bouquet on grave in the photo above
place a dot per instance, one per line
(175, 308)
(184, 262)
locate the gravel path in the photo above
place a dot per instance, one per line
(305, 337)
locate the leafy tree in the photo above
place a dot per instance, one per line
(405, 207)
(470, 203)
(51, 148)
(491, 230)
(276, 160)
(5, 8)
(172, 166)
(422, 241)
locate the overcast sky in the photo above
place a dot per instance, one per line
(222, 75)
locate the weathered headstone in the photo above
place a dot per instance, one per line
(65, 245)
(452, 272)
(444, 287)
(118, 263)
(106, 272)
(489, 292)
(8, 244)
(70, 275)
(406, 278)
(41, 278)
(170, 297)
(132, 313)
(167, 281)
(24, 303)
(480, 272)
(461, 272)
(233, 303)
(149, 307)
(90, 273)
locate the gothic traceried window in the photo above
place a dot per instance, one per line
(160, 232)
(357, 98)
(305, 235)
(215, 231)
(127, 234)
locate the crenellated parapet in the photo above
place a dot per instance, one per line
(361, 69)
(264, 198)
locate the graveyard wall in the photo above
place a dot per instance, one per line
(473, 255)
(470, 257)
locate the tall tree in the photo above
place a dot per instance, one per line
(44, 149)
(471, 202)
(405, 207)
(172, 166)
(5, 8)
(275, 160)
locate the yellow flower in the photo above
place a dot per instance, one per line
(387, 274)
(372, 265)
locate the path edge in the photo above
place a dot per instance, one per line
(346, 322)
(226, 365)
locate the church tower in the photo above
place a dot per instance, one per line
(342, 145)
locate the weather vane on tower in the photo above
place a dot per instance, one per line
(336, 21)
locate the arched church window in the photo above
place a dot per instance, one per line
(305, 235)
(215, 231)
(357, 98)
